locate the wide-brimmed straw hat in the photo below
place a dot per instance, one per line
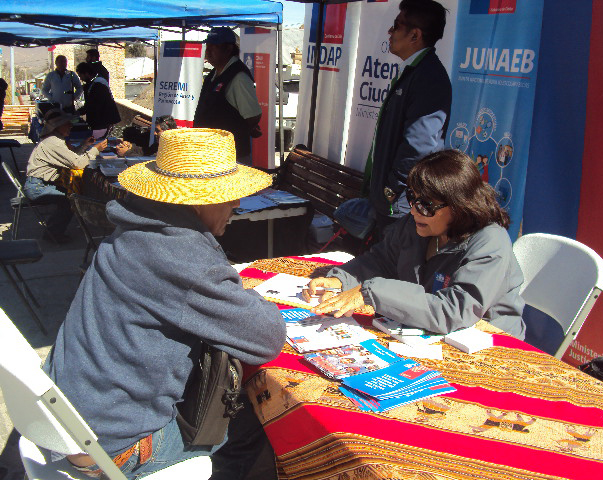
(54, 119)
(194, 166)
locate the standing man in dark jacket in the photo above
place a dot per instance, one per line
(100, 108)
(414, 116)
(228, 100)
(93, 58)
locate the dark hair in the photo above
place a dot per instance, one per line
(449, 176)
(3, 84)
(59, 56)
(166, 122)
(94, 53)
(428, 16)
(85, 68)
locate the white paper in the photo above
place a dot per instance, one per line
(433, 352)
(469, 340)
(287, 289)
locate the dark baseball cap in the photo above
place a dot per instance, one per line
(220, 35)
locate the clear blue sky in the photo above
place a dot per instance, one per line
(293, 12)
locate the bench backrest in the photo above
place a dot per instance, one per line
(324, 183)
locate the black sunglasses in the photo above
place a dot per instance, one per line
(424, 207)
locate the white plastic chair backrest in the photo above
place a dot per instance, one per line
(13, 178)
(23, 383)
(560, 274)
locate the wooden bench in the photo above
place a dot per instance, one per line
(324, 183)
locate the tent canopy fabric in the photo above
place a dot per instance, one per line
(98, 15)
(22, 34)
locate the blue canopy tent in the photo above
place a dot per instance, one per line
(23, 34)
(99, 15)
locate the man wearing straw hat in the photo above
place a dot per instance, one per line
(156, 286)
(43, 165)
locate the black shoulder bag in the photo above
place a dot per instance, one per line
(210, 397)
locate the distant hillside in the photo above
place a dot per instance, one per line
(34, 59)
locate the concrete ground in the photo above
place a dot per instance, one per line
(54, 280)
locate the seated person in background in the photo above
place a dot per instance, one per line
(445, 265)
(135, 143)
(156, 287)
(100, 108)
(43, 165)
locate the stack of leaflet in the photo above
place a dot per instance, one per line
(400, 383)
(374, 377)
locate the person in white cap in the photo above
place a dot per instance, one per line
(156, 287)
(51, 154)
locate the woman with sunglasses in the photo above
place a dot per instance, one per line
(445, 265)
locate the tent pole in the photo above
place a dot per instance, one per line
(279, 56)
(321, 9)
(12, 75)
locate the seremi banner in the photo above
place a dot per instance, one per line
(337, 58)
(258, 48)
(179, 80)
(493, 83)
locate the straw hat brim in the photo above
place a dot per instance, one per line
(142, 180)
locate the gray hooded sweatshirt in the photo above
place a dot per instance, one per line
(155, 287)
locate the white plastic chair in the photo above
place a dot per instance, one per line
(45, 418)
(562, 278)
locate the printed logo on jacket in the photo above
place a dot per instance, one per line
(332, 35)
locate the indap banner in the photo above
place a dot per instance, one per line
(337, 56)
(179, 79)
(376, 69)
(258, 48)
(493, 83)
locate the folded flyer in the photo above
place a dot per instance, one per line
(369, 404)
(320, 332)
(294, 315)
(401, 377)
(348, 360)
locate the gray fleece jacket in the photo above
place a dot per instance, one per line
(461, 284)
(156, 286)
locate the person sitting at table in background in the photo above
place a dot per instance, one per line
(444, 266)
(100, 108)
(62, 87)
(156, 286)
(132, 144)
(43, 165)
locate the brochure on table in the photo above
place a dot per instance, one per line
(286, 289)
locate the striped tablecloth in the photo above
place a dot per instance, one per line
(518, 413)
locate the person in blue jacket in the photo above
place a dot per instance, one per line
(414, 117)
(445, 266)
(156, 287)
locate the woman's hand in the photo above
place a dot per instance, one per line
(317, 286)
(343, 304)
(123, 148)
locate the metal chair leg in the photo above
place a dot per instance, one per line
(25, 287)
(24, 298)
(15, 162)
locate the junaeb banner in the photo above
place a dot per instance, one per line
(337, 57)
(179, 80)
(258, 47)
(493, 82)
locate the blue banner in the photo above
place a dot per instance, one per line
(493, 77)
